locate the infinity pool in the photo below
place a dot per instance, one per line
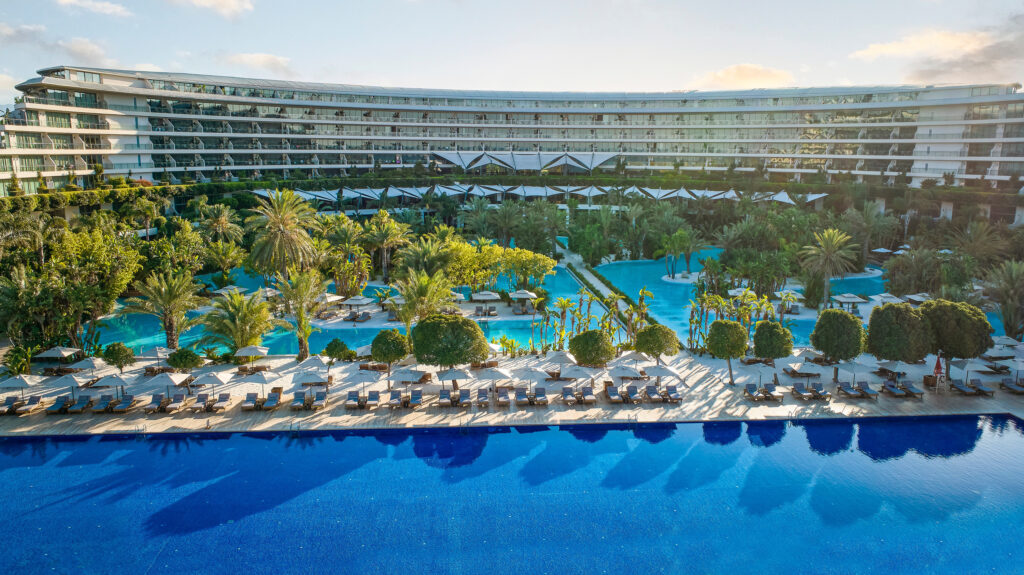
(923, 495)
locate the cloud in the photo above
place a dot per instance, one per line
(268, 62)
(226, 8)
(744, 76)
(928, 43)
(7, 91)
(79, 50)
(98, 6)
(148, 67)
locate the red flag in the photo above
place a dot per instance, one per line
(938, 367)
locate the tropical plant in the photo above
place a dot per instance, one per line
(1006, 288)
(224, 257)
(184, 359)
(592, 348)
(833, 255)
(899, 332)
(237, 321)
(657, 340)
(959, 330)
(727, 340)
(301, 292)
(118, 355)
(168, 297)
(281, 239)
(389, 346)
(445, 340)
(424, 295)
(337, 350)
(838, 335)
(219, 223)
(772, 340)
(18, 359)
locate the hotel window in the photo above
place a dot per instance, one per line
(87, 77)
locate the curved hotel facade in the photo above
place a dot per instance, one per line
(148, 124)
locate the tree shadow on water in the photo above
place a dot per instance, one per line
(827, 437)
(765, 433)
(722, 432)
(565, 453)
(884, 439)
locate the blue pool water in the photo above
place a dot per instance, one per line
(141, 331)
(923, 495)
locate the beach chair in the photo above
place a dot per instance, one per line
(982, 388)
(272, 402)
(465, 399)
(865, 388)
(652, 394)
(1007, 384)
(844, 388)
(632, 394)
(395, 400)
(800, 391)
(105, 404)
(771, 393)
(671, 394)
(126, 403)
(84, 402)
(613, 394)
(958, 385)
(492, 311)
(202, 403)
(363, 317)
(251, 402)
(521, 397)
(34, 403)
(892, 389)
(223, 400)
(479, 311)
(415, 398)
(320, 400)
(482, 398)
(444, 398)
(910, 389)
(568, 397)
(372, 399)
(156, 403)
(540, 396)
(751, 392)
(176, 404)
(59, 406)
(819, 392)
(502, 398)
(392, 316)
(352, 400)
(10, 405)
(587, 396)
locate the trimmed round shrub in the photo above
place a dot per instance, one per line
(592, 347)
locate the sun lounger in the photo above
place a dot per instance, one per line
(395, 399)
(34, 403)
(372, 399)
(106, 403)
(320, 400)
(910, 389)
(891, 388)
(958, 385)
(482, 398)
(479, 311)
(632, 394)
(201, 404)
(587, 396)
(568, 397)
(502, 398)
(126, 403)
(865, 388)
(84, 402)
(156, 404)
(251, 402)
(176, 404)
(223, 400)
(521, 397)
(800, 391)
(819, 392)
(671, 394)
(352, 400)
(1009, 385)
(273, 401)
(415, 398)
(365, 316)
(848, 390)
(59, 406)
(982, 388)
(540, 396)
(613, 394)
(492, 310)
(10, 405)
(444, 398)
(770, 392)
(465, 399)
(652, 394)
(751, 392)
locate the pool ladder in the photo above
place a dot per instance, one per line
(294, 429)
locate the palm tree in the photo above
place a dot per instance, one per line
(424, 294)
(301, 293)
(219, 224)
(281, 238)
(427, 255)
(237, 321)
(505, 219)
(224, 256)
(384, 234)
(980, 240)
(832, 256)
(563, 305)
(169, 297)
(144, 210)
(1006, 287)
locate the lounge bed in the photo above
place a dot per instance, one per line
(540, 396)
(568, 397)
(587, 396)
(272, 402)
(465, 399)
(521, 397)
(844, 388)
(910, 389)
(482, 398)
(771, 393)
(819, 392)
(415, 398)
(251, 402)
(106, 403)
(502, 398)
(652, 394)
(60, 406)
(444, 398)
(751, 392)
(800, 391)
(202, 403)
(865, 388)
(223, 400)
(352, 400)
(982, 388)
(892, 389)
(958, 385)
(632, 394)
(10, 405)
(363, 317)
(176, 404)
(34, 403)
(156, 403)
(319, 400)
(352, 316)
(84, 402)
(671, 394)
(1007, 384)
(613, 394)
(396, 399)
(372, 399)
(126, 403)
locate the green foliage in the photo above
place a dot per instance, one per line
(184, 359)
(899, 332)
(727, 340)
(118, 355)
(657, 340)
(18, 359)
(389, 346)
(592, 347)
(337, 350)
(772, 340)
(237, 321)
(959, 330)
(838, 335)
(448, 340)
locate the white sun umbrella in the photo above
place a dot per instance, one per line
(117, 381)
(268, 292)
(359, 300)
(532, 374)
(789, 292)
(456, 296)
(328, 297)
(633, 356)
(485, 296)
(397, 300)
(155, 352)
(90, 363)
(22, 382)
(252, 351)
(407, 374)
(230, 289)
(800, 366)
(522, 294)
(494, 374)
(167, 379)
(58, 353)
(859, 364)
(882, 251)
(560, 357)
(969, 365)
(624, 372)
(1005, 340)
(1015, 364)
(363, 377)
(737, 292)
(454, 374)
(315, 362)
(213, 379)
(577, 372)
(661, 371)
(364, 350)
(309, 377)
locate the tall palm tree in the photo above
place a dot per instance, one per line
(424, 294)
(144, 210)
(301, 293)
(833, 255)
(426, 254)
(1006, 287)
(563, 305)
(385, 234)
(219, 224)
(169, 297)
(224, 256)
(281, 237)
(505, 219)
(980, 240)
(237, 321)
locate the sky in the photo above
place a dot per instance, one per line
(562, 45)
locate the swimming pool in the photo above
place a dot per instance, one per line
(921, 495)
(141, 331)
